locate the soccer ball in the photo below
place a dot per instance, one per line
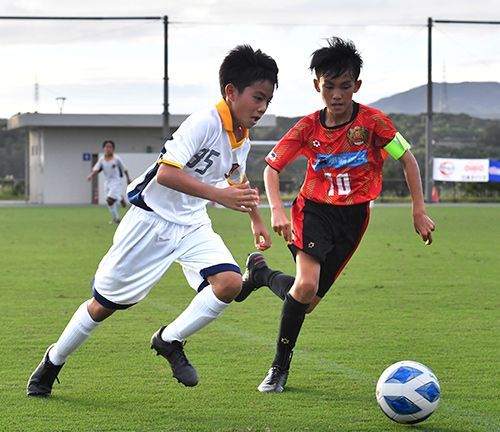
(408, 392)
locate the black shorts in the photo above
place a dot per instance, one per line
(329, 233)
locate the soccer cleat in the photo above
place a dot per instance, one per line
(173, 351)
(42, 379)
(255, 261)
(275, 381)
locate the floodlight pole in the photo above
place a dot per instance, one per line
(428, 124)
(165, 115)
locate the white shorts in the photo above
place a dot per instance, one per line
(145, 246)
(114, 189)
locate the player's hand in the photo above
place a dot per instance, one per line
(424, 226)
(281, 225)
(239, 197)
(261, 237)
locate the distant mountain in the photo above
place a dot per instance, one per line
(478, 99)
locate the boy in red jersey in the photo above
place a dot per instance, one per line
(345, 144)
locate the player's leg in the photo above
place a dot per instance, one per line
(210, 268)
(205, 307)
(86, 319)
(351, 222)
(258, 274)
(125, 275)
(293, 313)
(113, 209)
(312, 241)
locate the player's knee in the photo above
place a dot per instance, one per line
(97, 311)
(226, 285)
(110, 201)
(304, 290)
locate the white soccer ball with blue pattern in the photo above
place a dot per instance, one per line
(408, 392)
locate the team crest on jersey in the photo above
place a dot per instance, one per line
(357, 135)
(316, 143)
(232, 170)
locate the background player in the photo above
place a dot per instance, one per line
(346, 144)
(168, 222)
(113, 169)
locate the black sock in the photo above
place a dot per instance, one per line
(261, 276)
(280, 283)
(292, 317)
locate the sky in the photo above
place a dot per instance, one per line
(117, 66)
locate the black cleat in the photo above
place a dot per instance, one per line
(173, 351)
(275, 381)
(255, 261)
(42, 379)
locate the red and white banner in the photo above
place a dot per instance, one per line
(460, 170)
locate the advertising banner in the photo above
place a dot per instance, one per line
(461, 170)
(494, 170)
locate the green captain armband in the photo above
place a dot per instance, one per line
(398, 146)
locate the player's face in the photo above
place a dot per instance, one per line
(108, 149)
(337, 94)
(248, 106)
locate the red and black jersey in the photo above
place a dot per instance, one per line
(344, 162)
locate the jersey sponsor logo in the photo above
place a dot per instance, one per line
(358, 135)
(340, 160)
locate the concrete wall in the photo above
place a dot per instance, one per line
(61, 149)
(58, 174)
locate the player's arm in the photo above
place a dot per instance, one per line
(399, 149)
(96, 169)
(239, 197)
(92, 174)
(127, 176)
(260, 233)
(279, 220)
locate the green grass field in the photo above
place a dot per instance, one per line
(396, 300)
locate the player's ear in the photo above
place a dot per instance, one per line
(316, 85)
(231, 92)
(357, 85)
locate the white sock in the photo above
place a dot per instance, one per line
(202, 310)
(76, 332)
(113, 209)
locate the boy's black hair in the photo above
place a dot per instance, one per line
(243, 66)
(110, 142)
(338, 57)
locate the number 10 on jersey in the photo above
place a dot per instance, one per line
(341, 181)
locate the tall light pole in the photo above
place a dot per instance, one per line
(428, 121)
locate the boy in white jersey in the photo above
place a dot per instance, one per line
(113, 169)
(168, 222)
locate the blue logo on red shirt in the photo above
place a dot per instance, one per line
(340, 160)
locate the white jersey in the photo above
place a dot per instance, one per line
(204, 147)
(113, 170)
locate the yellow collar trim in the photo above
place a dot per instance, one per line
(227, 123)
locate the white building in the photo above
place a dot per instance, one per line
(62, 149)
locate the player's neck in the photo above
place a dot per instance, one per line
(239, 133)
(333, 119)
(109, 157)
